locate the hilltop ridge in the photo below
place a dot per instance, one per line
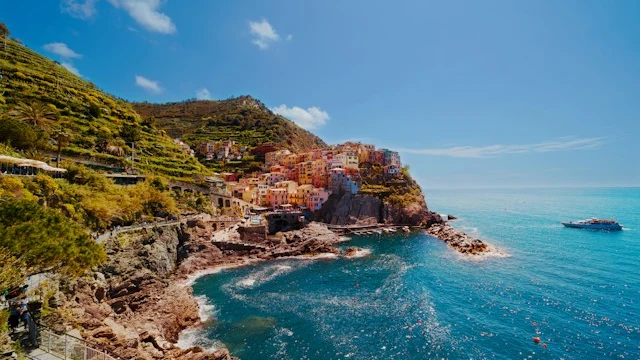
(243, 119)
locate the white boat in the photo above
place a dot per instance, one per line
(594, 224)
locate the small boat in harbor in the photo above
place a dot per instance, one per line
(594, 224)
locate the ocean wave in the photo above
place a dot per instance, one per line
(265, 275)
(191, 337)
(214, 270)
(360, 253)
(206, 310)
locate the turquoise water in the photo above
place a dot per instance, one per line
(413, 298)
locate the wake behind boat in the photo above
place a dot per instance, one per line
(594, 224)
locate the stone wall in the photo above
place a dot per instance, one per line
(256, 233)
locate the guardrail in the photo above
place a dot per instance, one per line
(68, 347)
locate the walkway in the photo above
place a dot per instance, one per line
(54, 346)
(136, 227)
(41, 355)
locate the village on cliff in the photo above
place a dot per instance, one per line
(302, 181)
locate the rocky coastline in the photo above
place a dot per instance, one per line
(462, 242)
(137, 304)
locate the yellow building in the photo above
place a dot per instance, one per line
(290, 161)
(302, 194)
(291, 186)
(305, 172)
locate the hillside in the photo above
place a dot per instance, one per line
(244, 120)
(100, 127)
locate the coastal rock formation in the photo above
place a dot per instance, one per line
(460, 241)
(360, 209)
(348, 209)
(136, 304)
(133, 305)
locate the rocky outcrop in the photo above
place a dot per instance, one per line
(360, 209)
(348, 209)
(136, 304)
(460, 241)
(133, 305)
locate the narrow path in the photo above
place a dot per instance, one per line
(124, 229)
(41, 355)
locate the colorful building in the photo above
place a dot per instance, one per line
(302, 194)
(317, 197)
(250, 195)
(321, 181)
(291, 186)
(341, 158)
(391, 158)
(352, 161)
(271, 178)
(277, 197)
(290, 161)
(391, 170)
(275, 157)
(305, 172)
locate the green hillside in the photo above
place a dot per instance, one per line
(100, 127)
(244, 120)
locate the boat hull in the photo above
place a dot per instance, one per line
(607, 227)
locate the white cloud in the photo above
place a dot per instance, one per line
(149, 85)
(264, 34)
(310, 118)
(79, 9)
(203, 94)
(562, 144)
(146, 14)
(61, 49)
(289, 37)
(69, 66)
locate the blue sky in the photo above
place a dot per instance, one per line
(474, 94)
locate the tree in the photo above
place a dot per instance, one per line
(10, 274)
(36, 113)
(61, 136)
(43, 240)
(4, 30)
(18, 134)
(131, 133)
(94, 110)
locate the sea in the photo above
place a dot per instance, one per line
(412, 297)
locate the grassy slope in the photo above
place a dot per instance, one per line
(243, 119)
(29, 76)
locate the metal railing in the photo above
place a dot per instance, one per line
(68, 347)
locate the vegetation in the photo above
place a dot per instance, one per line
(244, 120)
(40, 94)
(400, 190)
(42, 240)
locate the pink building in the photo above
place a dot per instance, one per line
(277, 197)
(317, 197)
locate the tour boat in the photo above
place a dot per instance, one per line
(594, 224)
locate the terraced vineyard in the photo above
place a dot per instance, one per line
(244, 120)
(98, 122)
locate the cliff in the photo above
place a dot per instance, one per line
(133, 304)
(396, 200)
(137, 304)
